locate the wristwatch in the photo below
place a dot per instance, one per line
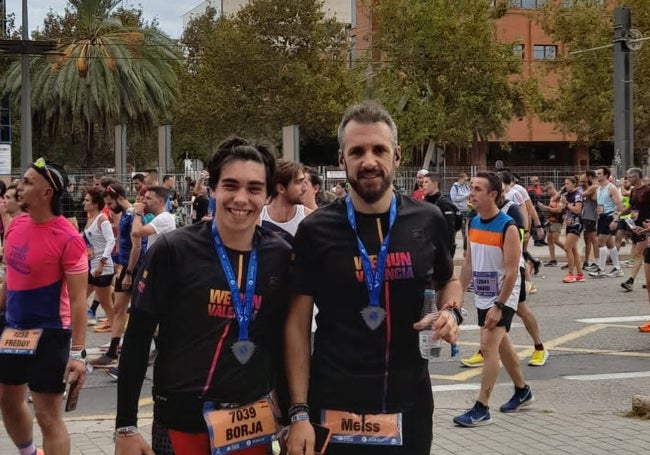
(458, 314)
(125, 432)
(78, 355)
(499, 305)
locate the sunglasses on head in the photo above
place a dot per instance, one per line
(42, 168)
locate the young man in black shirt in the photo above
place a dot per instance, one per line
(218, 292)
(368, 381)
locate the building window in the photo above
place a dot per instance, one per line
(527, 4)
(518, 50)
(544, 52)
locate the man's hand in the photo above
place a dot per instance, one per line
(301, 438)
(132, 445)
(493, 317)
(443, 324)
(75, 371)
(138, 207)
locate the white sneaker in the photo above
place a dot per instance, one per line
(616, 272)
(598, 274)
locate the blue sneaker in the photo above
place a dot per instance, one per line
(520, 399)
(113, 372)
(474, 417)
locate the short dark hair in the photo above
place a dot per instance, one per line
(433, 176)
(285, 173)
(506, 177)
(114, 191)
(494, 182)
(367, 112)
(105, 181)
(97, 197)
(313, 176)
(235, 148)
(160, 191)
(167, 177)
(606, 171)
(139, 177)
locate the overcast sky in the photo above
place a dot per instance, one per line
(169, 13)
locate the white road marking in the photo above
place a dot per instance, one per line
(614, 319)
(609, 376)
(476, 327)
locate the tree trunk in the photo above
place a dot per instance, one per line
(90, 142)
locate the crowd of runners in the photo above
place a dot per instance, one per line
(284, 312)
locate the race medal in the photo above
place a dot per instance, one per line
(21, 342)
(373, 316)
(234, 429)
(243, 350)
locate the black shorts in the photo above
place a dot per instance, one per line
(101, 281)
(120, 278)
(636, 238)
(646, 255)
(589, 226)
(42, 372)
(622, 226)
(604, 220)
(506, 317)
(575, 229)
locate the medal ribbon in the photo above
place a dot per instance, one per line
(373, 280)
(243, 310)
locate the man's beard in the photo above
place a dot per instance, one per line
(117, 210)
(370, 192)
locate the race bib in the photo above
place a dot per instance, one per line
(486, 284)
(367, 429)
(22, 342)
(240, 428)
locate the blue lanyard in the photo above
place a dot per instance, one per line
(373, 280)
(242, 310)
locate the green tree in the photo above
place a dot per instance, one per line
(583, 101)
(439, 67)
(114, 69)
(274, 63)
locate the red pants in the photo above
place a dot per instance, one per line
(197, 443)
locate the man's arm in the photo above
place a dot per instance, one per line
(138, 229)
(134, 256)
(77, 283)
(616, 198)
(297, 348)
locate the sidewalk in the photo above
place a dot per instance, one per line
(533, 431)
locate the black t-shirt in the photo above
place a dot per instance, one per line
(200, 207)
(350, 361)
(449, 211)
(183, 285)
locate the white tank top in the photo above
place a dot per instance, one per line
(94, 234)
(290, 226)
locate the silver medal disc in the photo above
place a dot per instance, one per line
(243, 350)
(373, 316)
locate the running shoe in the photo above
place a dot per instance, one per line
(645, 327)
(536, 265)
(520, 399)
(628, 285)
(579, 277)
(104, 362)
(616, 272)
(113, 372)
(565, 267)
(92, 319)
(476, 360)
(539, 358)
(591, 268)
(552, 263)
(474, 417)
(103, 328)
(598, 274)
(569, 278)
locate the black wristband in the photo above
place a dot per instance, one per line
(128, 272)
(298, 408)
(499, 305)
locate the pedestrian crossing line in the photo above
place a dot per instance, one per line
(603, 352)
(614, 319)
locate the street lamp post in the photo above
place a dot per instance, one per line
(25, 102)
(25, 48)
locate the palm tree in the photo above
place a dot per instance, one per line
(113, 70)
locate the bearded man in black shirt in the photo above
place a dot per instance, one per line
(366, 260)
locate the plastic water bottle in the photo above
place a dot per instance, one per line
(429, 349)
